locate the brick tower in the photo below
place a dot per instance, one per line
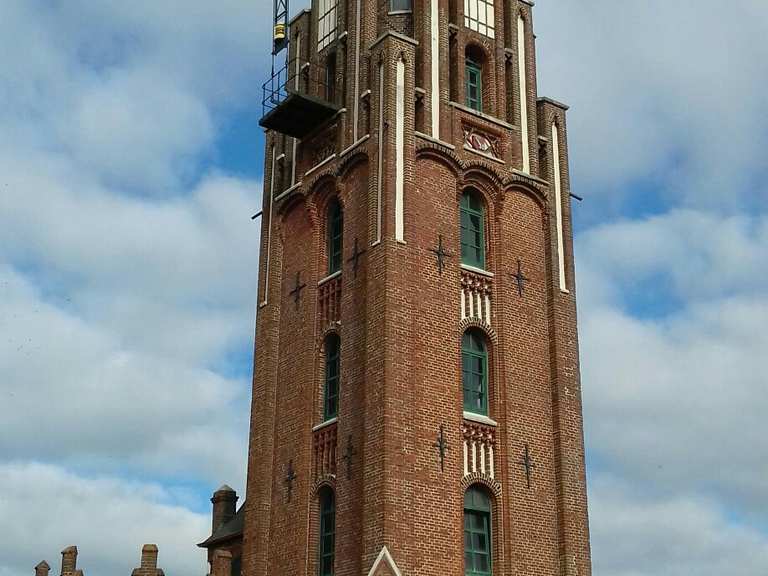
(416, 393)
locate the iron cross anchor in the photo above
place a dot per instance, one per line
(296, 292)
(528, 463)
(289, 478)
(442, 447)
(441, 254)
(520, 279)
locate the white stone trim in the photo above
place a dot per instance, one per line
(558, 206)
(435, 140)
(399, 150)
(483, 115)
(384, 556)
(354, 145)
(329, 277)
(380, 160)
(294, 143)
(320, 165)
(479, 418)
(485, 155)
(326, 423)
(356, 103)
(269, 229)
(285, 193)
(435, 49)
(469, 268)
(523, 96)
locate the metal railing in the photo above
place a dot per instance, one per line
(297, 76)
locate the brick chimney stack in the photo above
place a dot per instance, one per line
(224, 502)
(69, 562)
(148, 566)
(42, 569)
(149, 556)
(222, 563)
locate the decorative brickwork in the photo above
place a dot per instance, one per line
(398, 158)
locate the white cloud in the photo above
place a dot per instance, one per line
(678, 535)
(45, 509)
(91, 397)
(671, 92)
(675, 401)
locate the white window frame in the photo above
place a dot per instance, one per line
(327, 16)
(480, 16)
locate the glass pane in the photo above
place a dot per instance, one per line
(481, 563)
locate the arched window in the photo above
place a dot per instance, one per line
(327, 542)
(472, 229)
(474, 372)
(477, 532)
(331, 388)
(335, 236)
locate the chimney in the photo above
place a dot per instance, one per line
(42, 569)
(148, 566)
(149, 556)
(224, 501)
(68, 560)
(222, 563)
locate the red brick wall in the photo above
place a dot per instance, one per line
(400, 328)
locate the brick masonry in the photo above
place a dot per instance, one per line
(399, 318)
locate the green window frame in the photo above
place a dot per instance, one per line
(473, 84)
(335, 236)
(472, 225)
(332, 377)
(474, 372)
(327, 541)
(478, 557)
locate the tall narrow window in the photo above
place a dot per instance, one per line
(327, 532)
(332, 365)
(472, 229)
(474, 372)
(335, 236)
(473, 77)
(400, 5)
(326, 23)
(477, 532)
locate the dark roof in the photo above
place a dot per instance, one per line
(230, 530)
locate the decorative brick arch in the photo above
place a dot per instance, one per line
(298, 202)
(350, 161)
(477, 324)
(326, 481)
(482, 170)
(478, 478)
(537, 194)
(330, 329)
(440, 154)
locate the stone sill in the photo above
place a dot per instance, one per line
(480, 419)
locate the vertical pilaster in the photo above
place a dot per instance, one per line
(567, 414)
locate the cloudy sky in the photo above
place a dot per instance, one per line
(130, 164)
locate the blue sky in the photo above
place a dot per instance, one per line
(130, 164)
